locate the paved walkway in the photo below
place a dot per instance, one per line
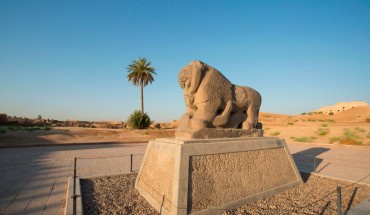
(33, 180)
(338, 161)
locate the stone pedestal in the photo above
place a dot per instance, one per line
(179, 176)
(211, 133)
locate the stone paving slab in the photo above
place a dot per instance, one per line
(361, 209)
(34, 180)
(350, 163)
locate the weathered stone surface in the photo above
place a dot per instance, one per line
(210, 133)
(156, 175)
(213, 102)
(211, 176)
(220, 178)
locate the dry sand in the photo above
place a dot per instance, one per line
(291, 128)
(73, 135)
(295, 128)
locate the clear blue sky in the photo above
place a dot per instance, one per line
(68, 59)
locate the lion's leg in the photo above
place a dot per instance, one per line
(252, 117)
(205, 114)
(222, 119)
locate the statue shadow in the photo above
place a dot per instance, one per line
(307, 160)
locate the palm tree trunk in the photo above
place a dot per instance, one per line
(142, 97)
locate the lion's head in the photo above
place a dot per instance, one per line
(191, 75)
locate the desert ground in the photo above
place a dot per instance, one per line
(351, 127)
(34, 179)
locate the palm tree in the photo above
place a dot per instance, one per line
(141, 73)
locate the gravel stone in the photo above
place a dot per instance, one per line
(317, 195)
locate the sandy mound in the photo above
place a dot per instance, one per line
(358, 114)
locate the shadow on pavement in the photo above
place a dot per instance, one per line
(307, 160)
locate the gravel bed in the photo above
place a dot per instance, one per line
(117, 195)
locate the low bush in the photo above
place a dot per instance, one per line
(63, 130)
(14, 127)
(368, 135)
(359, 129)
(2, 130)
(324, 125)
(322, 131)
(23, 128)
(349, 134)
(349, 141)
(334, 139)
(290, 123)
(349, 138)
(34, 128)
(368, 120)
(304, 139)
(138, 120)
(275, 133)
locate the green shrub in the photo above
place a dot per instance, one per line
(349, 134)
(290, 123)
(349, 141)
(324, 125)
(138, 120)
(368, 120)
(334, 139)
(34, 128)
(359, 129)
(331, 113)
(2, 130)
(304, 139)
(275, 133)
(350, 138)
(322, 131)
(368, 135)
(303, 113)
(47, 128)
(311, 120)
(14, 127)
(63, 130)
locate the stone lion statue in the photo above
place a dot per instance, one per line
(213, 102)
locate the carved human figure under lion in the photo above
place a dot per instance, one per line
(213, 102)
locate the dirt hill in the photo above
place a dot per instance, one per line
(358, 114)
(354, 115)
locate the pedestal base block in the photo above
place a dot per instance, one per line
(211, 133)
(209, 176)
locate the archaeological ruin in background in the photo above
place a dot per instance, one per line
(219, 159)
(340, 107)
